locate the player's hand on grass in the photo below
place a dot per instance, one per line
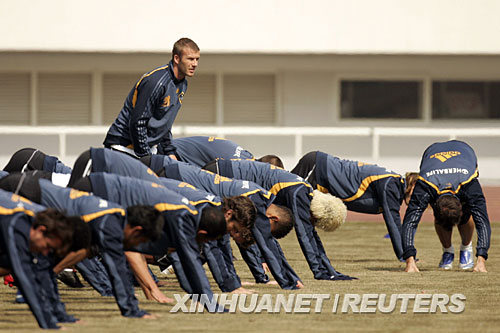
(480, 265)
(272, 283)
(300, 285)
(160, 297)
(247, 283)
(149, 316)
(242, 290)
(411, 266)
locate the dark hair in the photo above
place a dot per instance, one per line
(82, 236)
(57, 225)
(181, 44)
(285, 222)
(213, 222)
(244, 213)
(448, 210)
(149, 218)
(272, 159)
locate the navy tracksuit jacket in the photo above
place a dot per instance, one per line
(296, 194)
(148, 113)
(16, 217)
(364, 188)
(267, 246)
(199, 150)
(181, 223)
(106, 220)
(448, 168)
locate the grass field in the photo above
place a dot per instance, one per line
(357, 249)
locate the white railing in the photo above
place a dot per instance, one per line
(297, 132)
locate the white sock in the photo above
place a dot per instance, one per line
(466, 247)
(449, 249)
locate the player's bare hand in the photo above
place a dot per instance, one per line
(480, 265)
(265, 267)
(161, 298)
(300, 285)
(172, 157)
(272, 283)
(149, 316)
(247, 283)
(242, 290)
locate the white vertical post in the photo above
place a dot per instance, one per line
(62, 146)
(298, 146)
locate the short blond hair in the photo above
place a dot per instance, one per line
(329, 211)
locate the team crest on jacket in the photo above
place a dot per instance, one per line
(445, 155)
(166, 102)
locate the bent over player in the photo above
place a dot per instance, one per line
(364, 188)
(448, 182)
(296, 194)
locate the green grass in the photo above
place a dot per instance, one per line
(357, 249)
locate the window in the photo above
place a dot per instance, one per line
(115, 90)
(381, 99)
(198, 105)
(249, 99)
(15, 96)
(64, 99)
(465, 100)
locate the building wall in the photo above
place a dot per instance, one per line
(281, 91)
(263, 26)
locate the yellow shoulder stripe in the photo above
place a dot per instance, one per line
(195, 203)
(10, 211)
(279, 186)
(166, 206)
(89, 217)
(267, 196)
(134, 99)
(365, 183)
(474, 175)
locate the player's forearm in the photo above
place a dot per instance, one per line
(71, 259)
(140, 269)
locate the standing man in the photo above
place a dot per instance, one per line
(448, 182)
(143, 126)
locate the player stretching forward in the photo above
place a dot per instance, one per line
(448, 182)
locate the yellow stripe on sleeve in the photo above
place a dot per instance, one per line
(89, 217)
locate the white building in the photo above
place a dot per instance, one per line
(370, 80)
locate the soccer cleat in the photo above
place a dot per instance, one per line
(70, 278)
(447, 260)
(19, 297)
(168, 270)
(466, 260)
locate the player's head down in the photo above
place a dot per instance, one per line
(328, 212)
(448, 211)
(281, 220)
(240, 214)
